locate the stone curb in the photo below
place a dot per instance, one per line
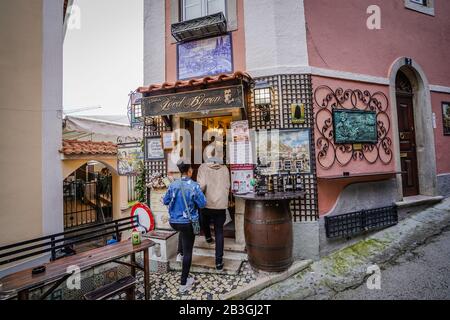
(264, 282)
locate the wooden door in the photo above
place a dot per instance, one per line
(408, 155)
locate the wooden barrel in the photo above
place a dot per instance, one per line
(268, 234)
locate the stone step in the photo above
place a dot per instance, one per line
(418, 200)
(232, 255)
(205, 264)
(229, 245)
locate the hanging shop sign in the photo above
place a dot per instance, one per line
(129, 158)
(154, 148)
(194, 101)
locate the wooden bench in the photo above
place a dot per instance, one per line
(126, 284)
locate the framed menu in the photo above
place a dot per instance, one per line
(153, 148)
(168, 140)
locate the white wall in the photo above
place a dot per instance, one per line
(275, 37)
(52, 99)
(154, 42)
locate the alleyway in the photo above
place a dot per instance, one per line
(423, 273)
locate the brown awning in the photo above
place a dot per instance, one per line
(193, 83)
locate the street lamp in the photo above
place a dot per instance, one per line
(263, 95)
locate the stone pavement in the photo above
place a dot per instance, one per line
(164, 286)
(423, 273)
(347, 268)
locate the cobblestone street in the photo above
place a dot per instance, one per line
(207, 287)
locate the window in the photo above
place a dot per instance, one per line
(421, 2)
(422, 6)
(198, 8)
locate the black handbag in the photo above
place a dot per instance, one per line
(195, 223)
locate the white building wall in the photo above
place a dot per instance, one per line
(154, 41)
(275, 37)
(52, 98)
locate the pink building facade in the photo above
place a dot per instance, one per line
(390, 58)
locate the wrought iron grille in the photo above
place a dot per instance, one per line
(355, 223)
(292, 89)
(328, 152)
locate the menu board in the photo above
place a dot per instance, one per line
(240, 150)
(241, 159)
(153, 148)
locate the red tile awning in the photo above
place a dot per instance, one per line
(186, 84)
(75, 147)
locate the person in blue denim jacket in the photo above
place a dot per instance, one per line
(179, 219)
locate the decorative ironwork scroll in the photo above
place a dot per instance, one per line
(328, 152)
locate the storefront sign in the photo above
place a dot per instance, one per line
(196, 101)
(129, 159)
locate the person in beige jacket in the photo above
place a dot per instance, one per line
(214, 180)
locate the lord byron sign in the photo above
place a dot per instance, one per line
(195, 101)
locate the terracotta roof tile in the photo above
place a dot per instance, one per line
(195, 82)
(75, 147)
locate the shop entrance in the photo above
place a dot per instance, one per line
(407, 136)
(217, 124)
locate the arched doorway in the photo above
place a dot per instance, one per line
(413, 130)
(407, 135)
(88, 195)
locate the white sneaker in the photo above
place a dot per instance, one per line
(179, 257)
(189, 283)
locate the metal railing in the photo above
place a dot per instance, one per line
(56, 242)
(131, 186)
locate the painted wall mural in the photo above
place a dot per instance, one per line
(341, 150)
(205, 57)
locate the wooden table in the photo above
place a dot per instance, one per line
(22, 282)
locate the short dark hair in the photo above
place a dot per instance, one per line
(183, 166)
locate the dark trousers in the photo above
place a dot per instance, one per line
(216, 217)
(187, 245)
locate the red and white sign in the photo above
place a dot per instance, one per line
(145, 218)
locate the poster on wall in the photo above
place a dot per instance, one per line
(240, 150)
(284, 150)
(154, 149)
(355, 126)
(129, 158)
(446, 118)
(205, 57)
(241, 176)
(298, 113)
